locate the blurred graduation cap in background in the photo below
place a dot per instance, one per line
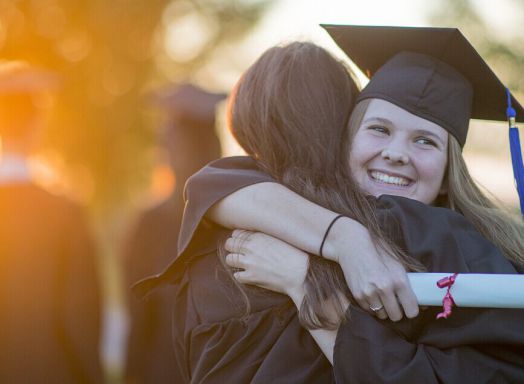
(436, 74)
(188, 130)
(188, 105)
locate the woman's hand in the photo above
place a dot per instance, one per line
(378, 282)
(267, 262)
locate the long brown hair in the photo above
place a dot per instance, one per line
(290, 112)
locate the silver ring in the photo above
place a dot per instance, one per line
(376, 308)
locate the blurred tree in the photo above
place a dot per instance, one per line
(503, 51)
(108, 52)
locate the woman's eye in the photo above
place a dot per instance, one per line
(378, 128)
(425, 141)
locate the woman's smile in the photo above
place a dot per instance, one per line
(384, 177)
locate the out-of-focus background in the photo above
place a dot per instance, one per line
(100, 146)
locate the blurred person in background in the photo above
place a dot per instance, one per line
(191, 142)
(49, 295)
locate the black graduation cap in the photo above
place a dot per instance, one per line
(370, 47)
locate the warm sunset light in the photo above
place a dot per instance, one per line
(162, 182)
(107, 108)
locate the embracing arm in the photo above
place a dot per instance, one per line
(273, 209)
(236, 194)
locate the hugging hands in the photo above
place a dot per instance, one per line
(267, 262)
(273, 264)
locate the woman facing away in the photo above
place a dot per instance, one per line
(402, 211)
(216, 339)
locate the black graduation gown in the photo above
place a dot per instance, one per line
(151, 245)
(216, 343)
(49, 290)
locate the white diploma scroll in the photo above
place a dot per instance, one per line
(470, 290)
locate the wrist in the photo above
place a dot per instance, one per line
(344, 237)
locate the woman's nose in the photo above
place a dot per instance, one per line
(395, 156)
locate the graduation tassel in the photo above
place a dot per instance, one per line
(516, 153)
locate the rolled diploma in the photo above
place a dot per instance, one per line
(471, 290)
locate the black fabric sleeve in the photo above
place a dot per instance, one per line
(212, 183)
(215, 181)
(477, 351)
(443, 240)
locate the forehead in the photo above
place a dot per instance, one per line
(379, 109)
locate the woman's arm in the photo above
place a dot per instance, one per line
(275, 210)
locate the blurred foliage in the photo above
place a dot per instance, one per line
(109, 53)
(503, 51)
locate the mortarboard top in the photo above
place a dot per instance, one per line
(427, 87)
(369, 47)
(19, 77)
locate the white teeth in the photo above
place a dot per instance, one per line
(383, 178)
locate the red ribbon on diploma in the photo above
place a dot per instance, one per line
(447, 301)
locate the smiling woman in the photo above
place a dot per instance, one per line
(395, 152)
